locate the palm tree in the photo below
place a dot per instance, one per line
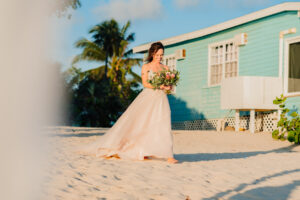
(106, 89)
(110, 44)
(108, 36)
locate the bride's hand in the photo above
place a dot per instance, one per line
(170, 87)
(166, 88)
(163, 87)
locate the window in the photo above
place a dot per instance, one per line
(292, 67)
(223, 61)
(170, 61)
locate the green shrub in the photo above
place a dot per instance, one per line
(289, 127)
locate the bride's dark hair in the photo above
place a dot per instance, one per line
(153, 49)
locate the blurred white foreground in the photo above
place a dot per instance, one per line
(30, 92)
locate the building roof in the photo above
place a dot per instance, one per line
(288, 6)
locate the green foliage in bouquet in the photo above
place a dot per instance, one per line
(165, 77)
(291, 127)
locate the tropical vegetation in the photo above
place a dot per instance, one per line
(288, 128)
(100, 95)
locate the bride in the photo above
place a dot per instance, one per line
(143, 131)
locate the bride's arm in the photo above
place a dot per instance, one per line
(145, 77)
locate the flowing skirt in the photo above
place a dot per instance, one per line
(144, 129)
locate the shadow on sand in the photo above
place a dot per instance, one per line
(269, 192)
(220, 156)
(76, 132)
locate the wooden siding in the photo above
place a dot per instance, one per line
(194, 99)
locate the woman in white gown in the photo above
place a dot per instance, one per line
(144, 129)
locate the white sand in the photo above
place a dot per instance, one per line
(212, 165)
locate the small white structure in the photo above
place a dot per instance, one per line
(254, 93)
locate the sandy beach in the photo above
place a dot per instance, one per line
(213, 165)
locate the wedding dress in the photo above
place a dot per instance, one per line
(144, 129)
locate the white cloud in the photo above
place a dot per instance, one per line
(123, 10)
(186, 3)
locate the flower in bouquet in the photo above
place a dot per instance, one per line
(165, 77)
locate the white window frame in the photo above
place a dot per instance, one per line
(210, 46)
(165, 58)
(286, 66)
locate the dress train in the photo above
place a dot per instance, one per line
(144, 129)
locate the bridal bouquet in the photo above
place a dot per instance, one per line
(164, 77)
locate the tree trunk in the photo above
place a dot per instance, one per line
(106, 62)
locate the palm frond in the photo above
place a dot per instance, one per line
(83, 43)
(133, 61)
(135, 76)
(91, 51)
(97, 73)
(130, 37)
(125, 28)
(128, 53)
(89, 55)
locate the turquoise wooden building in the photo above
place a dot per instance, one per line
(234, 70)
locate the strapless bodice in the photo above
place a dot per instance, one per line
(150, 74)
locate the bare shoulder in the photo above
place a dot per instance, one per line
(145, 66)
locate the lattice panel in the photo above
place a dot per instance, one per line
(263, 122)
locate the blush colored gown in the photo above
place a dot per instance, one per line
(144, 129)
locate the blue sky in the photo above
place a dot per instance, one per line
(151, 20)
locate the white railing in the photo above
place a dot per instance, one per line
(263, 122)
